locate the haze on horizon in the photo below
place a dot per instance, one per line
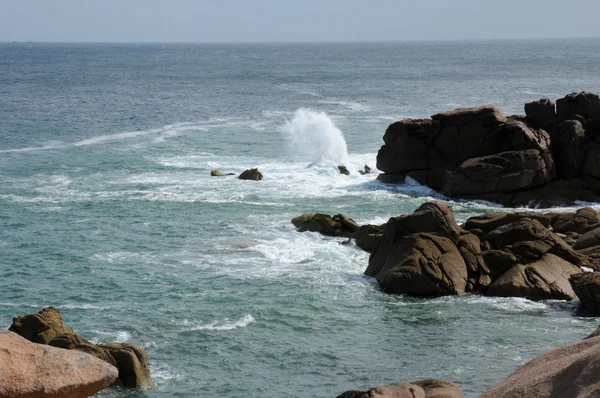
(293, 21)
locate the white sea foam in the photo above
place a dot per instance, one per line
(223, 325)
(101, 336)
(313, 136)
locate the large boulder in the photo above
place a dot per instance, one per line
(549, 157)
(570, 371)
(585, 105)
(422, 264)
(47, 327)
(582, 221)
(587, 287)
(488, 222)
(432, 217)
(545, 279)
(529, 240)
(31, 370)
(415, 389)
(505, 171)
(251, 174)
(132, 363)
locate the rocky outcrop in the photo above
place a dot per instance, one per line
(251, 174)
(569, 371)
(516, 254)
(415, 389)
(47, 327)
(549, 157)
(31, 370)
(498, 254)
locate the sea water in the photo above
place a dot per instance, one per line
(108, 212)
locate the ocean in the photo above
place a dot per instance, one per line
(108, 211)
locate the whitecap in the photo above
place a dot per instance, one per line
(223, 325)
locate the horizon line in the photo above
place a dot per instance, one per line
(304, 41)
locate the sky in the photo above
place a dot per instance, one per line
(294, 21)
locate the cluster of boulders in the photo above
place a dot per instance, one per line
(569, 371)
(507, 254)
(46, 327)
(550, 156)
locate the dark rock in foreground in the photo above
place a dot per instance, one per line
(549, 157)
(47, 327)
(31, 370)
(251, 174)
(415, 389)
(570, 371)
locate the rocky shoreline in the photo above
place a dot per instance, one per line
(548, 157)
(534, 255)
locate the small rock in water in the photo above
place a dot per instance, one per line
(251, 174)
(366, 170)
(218, 173)
(343, 170)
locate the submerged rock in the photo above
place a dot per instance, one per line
(415, 389)
(34, 370)
(251, 174)
(569, 371)
(217, 173)
(548, 157)
(47, 327)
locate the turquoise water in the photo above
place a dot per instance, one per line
(108, 212)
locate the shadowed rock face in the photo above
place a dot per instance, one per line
(520, 254)
(587, 287)
(415, 389)
(497, 254)
(548, 157)
(32, 370)
(47, 327)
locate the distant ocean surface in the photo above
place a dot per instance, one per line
(108, 212)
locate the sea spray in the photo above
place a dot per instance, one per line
(314, 137)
